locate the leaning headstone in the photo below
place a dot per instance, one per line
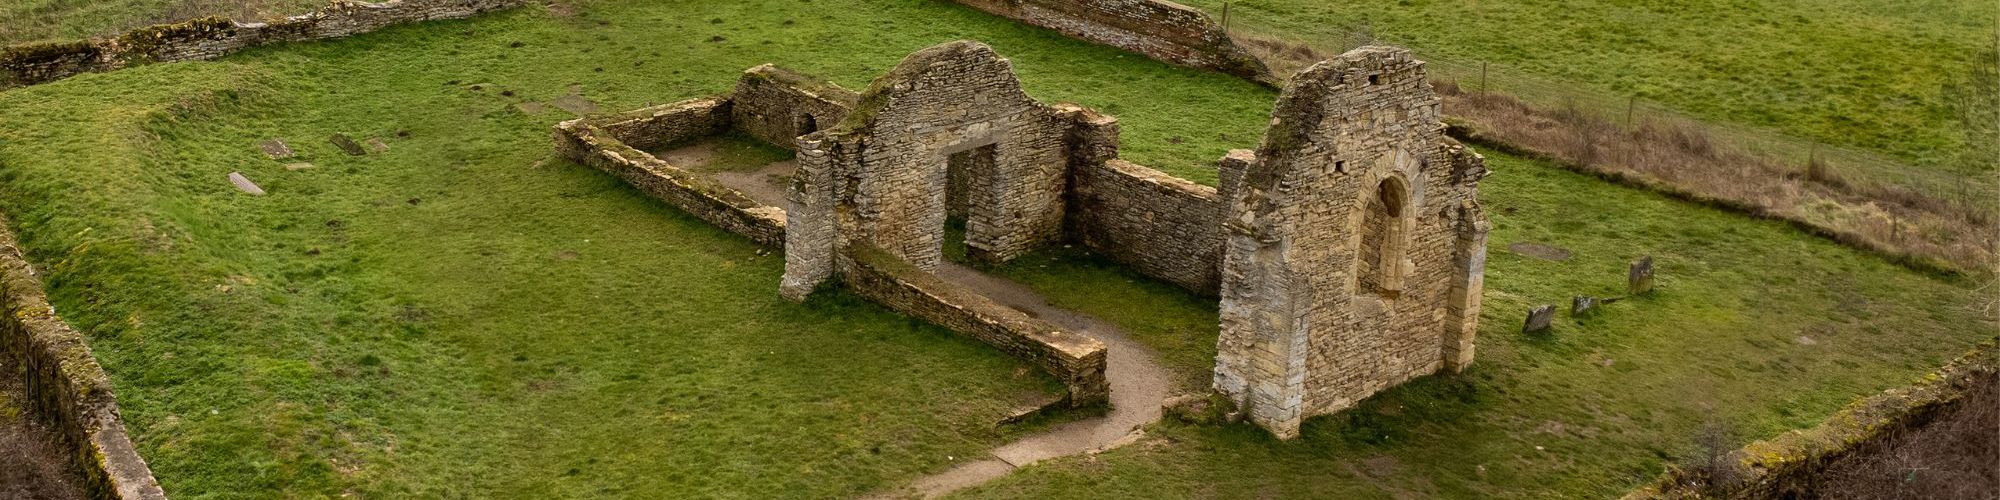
(1582, 305)
(243, 183)
(1539, 319)
(276, 149)
(347, 145)
(1640, 279)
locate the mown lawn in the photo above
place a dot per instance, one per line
(1863, 73)
(1757, 328)
(464, 315)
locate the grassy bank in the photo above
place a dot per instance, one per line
(1862, 73)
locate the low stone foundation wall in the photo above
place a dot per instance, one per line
(65, 385)
(1077, 360)
(659, 126)
(1161, 30)
(1785, 466)
(211, 38)
(602, 144)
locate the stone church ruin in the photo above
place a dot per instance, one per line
(1347, 250)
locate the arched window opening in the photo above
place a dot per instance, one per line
(1380, 266)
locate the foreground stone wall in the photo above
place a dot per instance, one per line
(211, 38)
(1353, 233)
(65, 385)
(1077, 360)
(1161, 30)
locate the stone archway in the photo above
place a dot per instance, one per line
(947, 133)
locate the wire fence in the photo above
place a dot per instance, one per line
(1979, 192)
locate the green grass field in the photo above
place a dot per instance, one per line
(466, 316)
(1862, 73)
(1756, 326)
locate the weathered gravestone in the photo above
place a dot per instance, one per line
(244, 184)
(347, 144)
(1540, 319)
(1640, 279)
(1583, 305)
(276, 149)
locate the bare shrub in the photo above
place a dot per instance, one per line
(1715, 464)
(32, 463)
(1956, 455)
(31, 466)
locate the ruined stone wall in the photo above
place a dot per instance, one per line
(1161, 30)
(777, 106)
(211, 38)
(1162, 226)
(1311, 324)
(65, 385)
(881, 177)
(1077, 360)
(586, 142)
(1348, 251)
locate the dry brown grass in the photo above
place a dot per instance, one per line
(1690, 160)
(1685, 159)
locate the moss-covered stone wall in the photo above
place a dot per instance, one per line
(65, 386)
